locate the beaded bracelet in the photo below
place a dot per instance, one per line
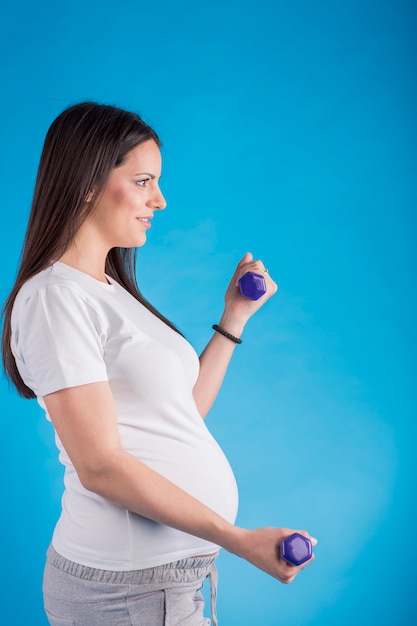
(226, 334)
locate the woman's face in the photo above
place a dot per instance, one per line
(123, 212)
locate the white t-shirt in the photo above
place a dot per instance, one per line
(69, 329)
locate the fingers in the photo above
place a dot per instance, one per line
(288, 572)
(287, 580)
(313, 540)
(290, 568)
(246, 259)
(247, 264)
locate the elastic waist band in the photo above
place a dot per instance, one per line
(184, 570)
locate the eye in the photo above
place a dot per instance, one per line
(143, 182)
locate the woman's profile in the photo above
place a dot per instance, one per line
(149, 496)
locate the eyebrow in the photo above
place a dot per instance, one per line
(151, 176)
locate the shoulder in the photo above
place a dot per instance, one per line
(61, 281)
(58, 334)
(46, 280)
(53, 291)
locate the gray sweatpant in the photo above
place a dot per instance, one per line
(168, 595)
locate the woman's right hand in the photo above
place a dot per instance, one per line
(261, 548)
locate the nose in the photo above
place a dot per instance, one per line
(157, 202)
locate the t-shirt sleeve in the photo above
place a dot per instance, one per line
(57, 340)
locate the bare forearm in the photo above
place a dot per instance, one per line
(134, 486)
(214, 362)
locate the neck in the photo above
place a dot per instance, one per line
(86, 259)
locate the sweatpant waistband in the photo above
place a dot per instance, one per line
(186, 570)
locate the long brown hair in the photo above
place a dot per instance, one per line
(83, 145)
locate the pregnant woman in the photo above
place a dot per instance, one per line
(149, 496)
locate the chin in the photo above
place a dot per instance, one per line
(140, 243)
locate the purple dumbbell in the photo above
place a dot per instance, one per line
(296, 549)
(252, 286)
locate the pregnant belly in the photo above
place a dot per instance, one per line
(201, 470)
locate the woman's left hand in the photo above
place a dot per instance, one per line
(239, 309)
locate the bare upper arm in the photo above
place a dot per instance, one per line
(85, 420)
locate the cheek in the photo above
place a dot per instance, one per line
(118, 206)
(119, 198)
(124, 202)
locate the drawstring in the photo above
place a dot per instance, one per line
(213, 579)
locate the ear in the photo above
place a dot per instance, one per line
(89, 196)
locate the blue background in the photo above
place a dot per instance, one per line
(289, 130)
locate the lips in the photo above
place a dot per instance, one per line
(145, 220)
